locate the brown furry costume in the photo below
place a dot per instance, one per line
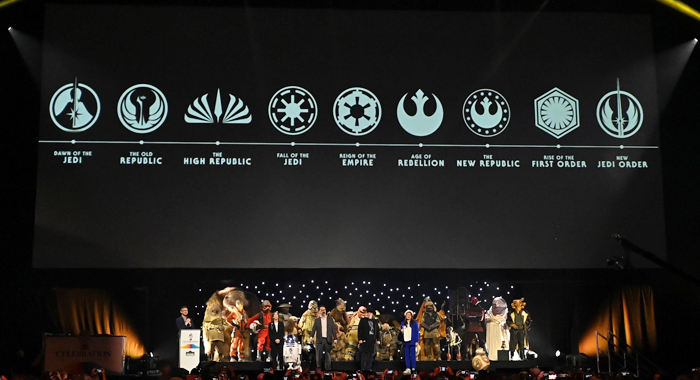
(338, 351)
(339, 315)
(214, 326)
(226, 300)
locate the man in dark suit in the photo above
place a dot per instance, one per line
(324, 335)
(276, 331)
(183, 321)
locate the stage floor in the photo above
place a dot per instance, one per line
(397, 365)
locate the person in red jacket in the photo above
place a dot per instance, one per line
(263, 318)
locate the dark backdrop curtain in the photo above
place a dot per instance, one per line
(629, 313)
(93, 311)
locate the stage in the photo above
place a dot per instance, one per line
(255, 367)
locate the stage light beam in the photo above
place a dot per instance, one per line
(681, 7)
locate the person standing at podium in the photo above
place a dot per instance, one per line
(183, 321)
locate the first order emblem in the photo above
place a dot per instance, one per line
(200, 112)
(142, 108)
(292, 110)
(74, 107)
(357, 111)
(556, 113)
(420, 124)
(486, 112)
(620, 122)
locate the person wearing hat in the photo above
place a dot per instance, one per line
(367, 337)
(409, 336)
(284, 313)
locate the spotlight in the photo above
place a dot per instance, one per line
(10, 29)
(694, 39)
(557, 353)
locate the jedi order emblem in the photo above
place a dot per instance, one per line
(615, 122)
(142, 108)
(486, 112)
(292, 110)
(357, 111)
(200, 112)
(420, 124)
(74, 107)
(556, 113)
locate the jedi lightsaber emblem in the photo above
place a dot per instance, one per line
(74, 107)
(616, 123)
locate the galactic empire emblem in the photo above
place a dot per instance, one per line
(200, 112)
(357, 111)
(486, 112)
(292, 110)
(614, 121)
(556, 113)
(420, 124)
(74, 107)
(142, 108)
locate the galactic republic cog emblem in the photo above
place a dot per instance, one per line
(556, 113)
(420, 124)
(357, 111)
(292, 110)
(486, 112)
(614, 122)
(74, 107)
(142, 108)
(200, 112)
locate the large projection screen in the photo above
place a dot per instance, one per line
(197, 137)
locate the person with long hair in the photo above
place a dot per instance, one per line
(410, 335)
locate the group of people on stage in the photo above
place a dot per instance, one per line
(364, 335)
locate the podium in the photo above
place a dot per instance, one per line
(189, 347)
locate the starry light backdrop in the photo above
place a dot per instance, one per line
(385, 297)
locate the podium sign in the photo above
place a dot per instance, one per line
(71, 353)
(189, 348)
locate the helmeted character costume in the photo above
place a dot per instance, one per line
(520, 323)
(476, 336)
(263, 319)
(238, 319)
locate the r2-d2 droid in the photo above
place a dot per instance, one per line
(292, 352)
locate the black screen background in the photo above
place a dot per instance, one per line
(320, 214)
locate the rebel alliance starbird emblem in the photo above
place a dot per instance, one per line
(200, 112)
(614, 123)
(420, 124)
(486, 112)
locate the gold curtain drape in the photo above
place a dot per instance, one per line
(629, 314)
(92, 311)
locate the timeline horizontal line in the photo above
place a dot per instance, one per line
(357, 145)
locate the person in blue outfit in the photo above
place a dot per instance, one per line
(410, 335)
